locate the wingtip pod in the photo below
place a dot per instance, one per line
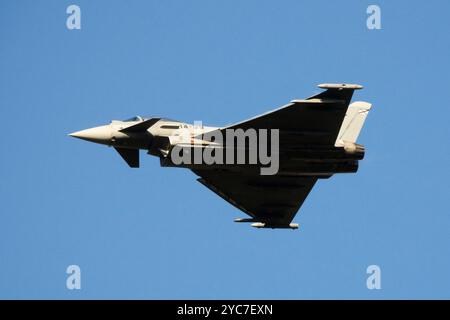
(340, 86)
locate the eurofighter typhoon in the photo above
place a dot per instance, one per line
(265, 166)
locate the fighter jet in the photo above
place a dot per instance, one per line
(314, 138)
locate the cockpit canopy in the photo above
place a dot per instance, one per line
(134, 119)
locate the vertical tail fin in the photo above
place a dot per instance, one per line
(353, 122)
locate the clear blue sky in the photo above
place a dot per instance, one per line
(156, 232)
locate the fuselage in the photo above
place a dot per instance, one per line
(162, 136)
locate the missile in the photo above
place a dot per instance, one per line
(261, 225)
(244, 220)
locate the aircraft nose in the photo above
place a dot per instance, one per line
(100, 134)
